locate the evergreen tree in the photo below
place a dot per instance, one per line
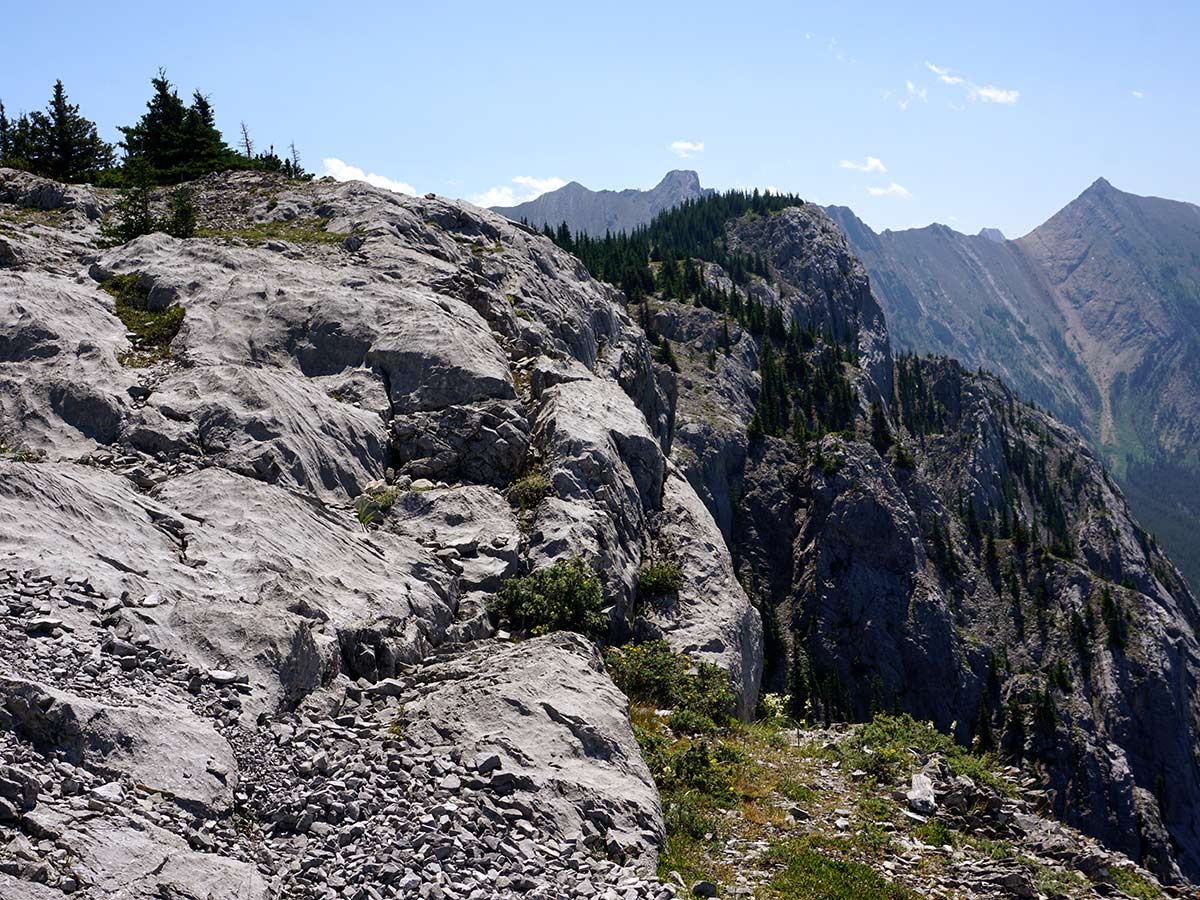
(881, 434)
(131, 217)
(58, 143)
(178, 142)
(5, 133)
(76, 152)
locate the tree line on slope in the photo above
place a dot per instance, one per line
(172, 142)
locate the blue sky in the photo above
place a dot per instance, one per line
(977, 114)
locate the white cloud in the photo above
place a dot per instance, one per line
(873, 164)
(944, 75)
(342, 171)
(989, 94)
(912, 92)
(528, 188)
(1137, 95)
(892, 190)
(985, 93)
(684, 149)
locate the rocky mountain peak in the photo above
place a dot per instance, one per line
(685, 181)
(598, 212)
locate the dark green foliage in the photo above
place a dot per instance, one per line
(693, 230)
(666, 356)
(695, 767)
(1060, 677)
(563, 597)
(773, 407)
(1114, 619)
(882, 749)
(58, 143)
(529, 490)
(131, 217)
(903, 458)
(881, 432)
(181, 215)
(654, 674)
(657, 579)
(179, 142)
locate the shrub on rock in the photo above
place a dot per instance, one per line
(565, 596)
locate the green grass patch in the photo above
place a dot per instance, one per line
(809, 874)
(299, 231)
(1055, 881)
(18, 454)
(1134, 885)
(883, 749)
(152, 330)
(796, 792)
(936, 835)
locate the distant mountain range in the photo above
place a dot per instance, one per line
(595, 212)
(1094, 315)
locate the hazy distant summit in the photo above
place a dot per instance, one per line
(596, 212)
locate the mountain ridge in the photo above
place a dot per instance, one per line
(597, 212)
(1092, 314)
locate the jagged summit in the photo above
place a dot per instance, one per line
(597, 212)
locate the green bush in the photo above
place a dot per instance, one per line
(654, 674)
(657, 579)
(181, 215)
(704, 769)
(563, 597)
(688, 721)
(529, 490)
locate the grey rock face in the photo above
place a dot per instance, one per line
(558, 724)
(596, 212)
(219, 573)
(710, 617)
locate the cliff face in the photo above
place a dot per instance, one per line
(597, 212)
(971, 562)
(1092, 315)
(254, 495)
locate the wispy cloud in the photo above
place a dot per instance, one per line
(989, 94)
(911, 93)
(684, 149)
(526, 188)
(343, 171)
(1137, 95)
(944, 75)
(892, 190)
(983, 93)
(873, 164)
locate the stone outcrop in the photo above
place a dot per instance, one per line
(223, 564)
